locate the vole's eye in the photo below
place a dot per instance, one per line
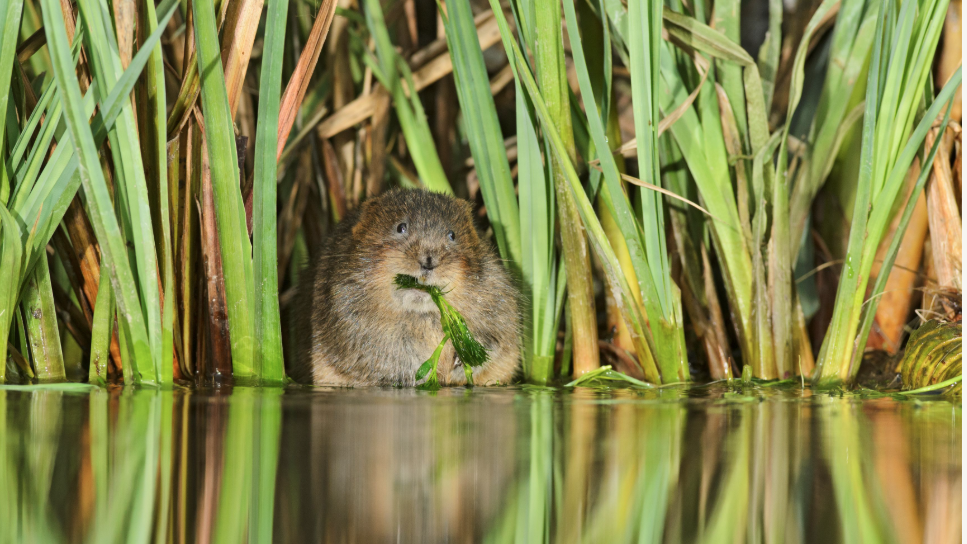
(451, 236)
(401, 228)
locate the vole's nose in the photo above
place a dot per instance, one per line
(428, 263)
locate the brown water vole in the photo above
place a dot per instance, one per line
(354, 327)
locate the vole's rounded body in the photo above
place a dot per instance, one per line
(354, 327)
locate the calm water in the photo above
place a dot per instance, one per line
(488, 465)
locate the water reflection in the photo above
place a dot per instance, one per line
(495, 465)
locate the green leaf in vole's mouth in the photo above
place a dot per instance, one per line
(469, 350)
(404, 281)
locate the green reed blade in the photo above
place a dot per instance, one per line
(130, 178)
(10, 12)
(705, 158)
(699, 135)
(537, 212)
(595, 232)
(230, 212)
(113, 252)
(11, 255)
(26, 173)
(413, 121)
(483, 130)
(644, 38)
(559, 102)
(726, 20)
(21, 338)
(769, 52)
(797, 79)
(126, 347)
(156, 154)
(596, 39)
(52, 128)
(648, 255)
(41, 324)
(848, 57)
(764, 345)
(59, 181)
(20, 147)
(101, 331)
(869, 312)
(268, 328)
(894, 89)
(707, 40)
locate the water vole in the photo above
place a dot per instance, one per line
(354, 327)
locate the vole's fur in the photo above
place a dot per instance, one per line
(354, 327)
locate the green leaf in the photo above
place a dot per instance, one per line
(59, 180)
(416, 131)
(11, 254)
(230, 211)
(101, 331)
(537, 212)
(10, 12)
(432, 383)
(869, 313)
(468, 349)
(424, 369)
(595, 232)
(601, 376)
(769, 52)
(154, 141)
(645, 240)
(268, 328)
(130, 179)
(896, 83)
(41, 324)
(483, 130)
(113, 248)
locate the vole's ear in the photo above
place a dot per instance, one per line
(468, 211)
(467, 208)
(365, 210)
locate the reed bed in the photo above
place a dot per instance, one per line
(680, 193)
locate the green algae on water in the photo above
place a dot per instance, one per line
(471, 352)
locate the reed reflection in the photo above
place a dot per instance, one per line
(523, 465)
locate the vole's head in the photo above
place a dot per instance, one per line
(429, 236)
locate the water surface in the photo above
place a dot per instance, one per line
(708, 464)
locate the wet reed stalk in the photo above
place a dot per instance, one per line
(230, 213)
(268, 328)
(552, 80)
